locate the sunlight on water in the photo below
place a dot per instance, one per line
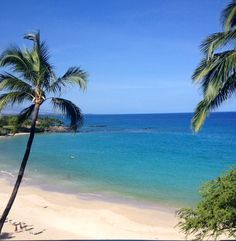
(154, 158)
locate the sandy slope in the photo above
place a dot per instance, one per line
(64, 216)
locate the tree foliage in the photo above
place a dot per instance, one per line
(215, 214)
(216, 73)
(32, 79)
(9, 124)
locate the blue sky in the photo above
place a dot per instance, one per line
(140, 54)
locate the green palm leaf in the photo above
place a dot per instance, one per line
(72, 111)
(216, 72)
(214, 96)
(228, 16)
(204, 69)
(25, 114)
(19, 62)
(73, 75)
(218, 41)
(11, 82)
(200, 115)
(17, 97)
(40, 59)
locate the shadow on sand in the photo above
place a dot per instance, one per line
(6, 236)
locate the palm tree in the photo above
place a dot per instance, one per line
(216, 72)
(32, 78)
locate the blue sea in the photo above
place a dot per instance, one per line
(141, 158)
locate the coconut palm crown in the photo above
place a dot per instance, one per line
(35, 80)
(31, 77)
(216, 73)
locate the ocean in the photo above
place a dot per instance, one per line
(141, 158)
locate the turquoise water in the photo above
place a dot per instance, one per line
(151, 158)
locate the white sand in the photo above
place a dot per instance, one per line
(64, 216)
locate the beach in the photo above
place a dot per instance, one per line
(54, 215)
(89, 154)
(16, 134)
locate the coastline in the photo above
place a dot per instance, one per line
(57, 215)
(16, 134)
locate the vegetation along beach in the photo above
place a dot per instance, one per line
(101, 137)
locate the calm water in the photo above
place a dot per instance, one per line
(150, 158)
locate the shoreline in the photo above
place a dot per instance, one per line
(16, 134)
(66, 216)
(106, 196)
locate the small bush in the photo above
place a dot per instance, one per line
(215, 214)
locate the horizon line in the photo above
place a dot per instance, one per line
(150, 113)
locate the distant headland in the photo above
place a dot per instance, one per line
(9, 125)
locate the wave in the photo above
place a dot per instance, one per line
(7, 173)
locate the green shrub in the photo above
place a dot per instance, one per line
(215, 214)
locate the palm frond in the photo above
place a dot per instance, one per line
(11, 82)
(217, 41)
(217, 94)
(18, 62)
(25, 114)
(221, 73)
(214, 96)
(220, 67)
(200, 115)
(12, 98)
(204, 68)
(72, 111)
(228, 16)
(73, 75)
(40, 55)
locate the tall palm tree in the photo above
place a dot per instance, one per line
(216, 72)
(32, 78)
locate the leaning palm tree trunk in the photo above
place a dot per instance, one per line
(22, 168)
